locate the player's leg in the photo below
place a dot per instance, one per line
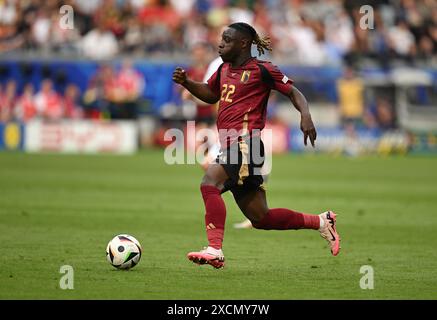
(252, 203)
(247, 224)
(211, 187)
(254, 206)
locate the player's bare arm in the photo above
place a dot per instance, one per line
(306, 123)
(198, 89)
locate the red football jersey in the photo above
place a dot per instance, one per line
(244, 92)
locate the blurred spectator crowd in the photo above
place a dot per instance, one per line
(311, 32)
(111, 93)
(46, 103)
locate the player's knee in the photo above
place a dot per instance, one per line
(207, 180)
(256, 216)
(259, 223)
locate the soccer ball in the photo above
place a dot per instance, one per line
(123, 251)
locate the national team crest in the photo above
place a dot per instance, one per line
(245, 76)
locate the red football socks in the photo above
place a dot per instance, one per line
(275, 219)
(215, 216)
(285, 219)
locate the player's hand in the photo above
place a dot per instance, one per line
(179, 75)
(308, 129)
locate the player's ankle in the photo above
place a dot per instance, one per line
(214, 251)
(322, 223)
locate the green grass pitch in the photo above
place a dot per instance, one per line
(60, 210)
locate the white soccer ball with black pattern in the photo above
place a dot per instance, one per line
(123, 251)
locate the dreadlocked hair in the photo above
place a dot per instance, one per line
(262, 43)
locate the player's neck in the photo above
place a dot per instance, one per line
(241, 60)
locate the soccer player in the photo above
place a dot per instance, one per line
(242, 85)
